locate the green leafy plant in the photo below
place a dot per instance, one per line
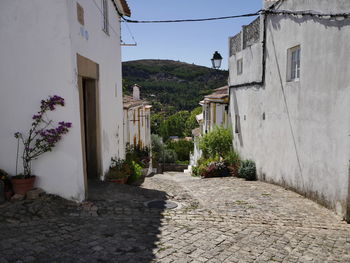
(119, 169)
(247, 170)
(136, 172)
(138, 154)
(4, 177)
(195, 171)
(233, 162)
(182, 148)
(216, 142)
(170, 156)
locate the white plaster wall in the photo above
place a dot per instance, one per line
(132, 127)
(39, 41)
(35, 63)
(304, 141)
(252, 67)
(147, 128)
(105, 50)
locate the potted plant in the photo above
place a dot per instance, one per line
(233, 162)
(119, 171)
(136, 177)
(4, 178)
(41, 138)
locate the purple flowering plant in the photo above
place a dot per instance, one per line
(43, 134)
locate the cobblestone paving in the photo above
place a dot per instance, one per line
(218, 220)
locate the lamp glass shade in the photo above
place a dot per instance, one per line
(216, 60)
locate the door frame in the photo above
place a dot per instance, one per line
(89, 69)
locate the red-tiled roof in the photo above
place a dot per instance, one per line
(219, 93)
(126, 10)
(126, 7)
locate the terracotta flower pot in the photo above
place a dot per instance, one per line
(119, 181)
(22, 186)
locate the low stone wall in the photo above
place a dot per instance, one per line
(170, 167)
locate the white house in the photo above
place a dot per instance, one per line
(215, 112)
(215, 109)
(137, 120)
(289, 97)
(70, 48)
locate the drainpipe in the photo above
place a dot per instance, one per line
(347, 216)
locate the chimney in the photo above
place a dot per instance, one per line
(136, 92)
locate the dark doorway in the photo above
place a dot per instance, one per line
(88, 79)
(90, 124)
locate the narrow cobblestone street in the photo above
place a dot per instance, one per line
(218, 220)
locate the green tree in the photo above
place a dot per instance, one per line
(191, 122)
(174, 125)
(217, 142)
(182, 148)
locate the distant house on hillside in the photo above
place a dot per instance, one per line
(71, 49)
(137, 120)
(290, 93)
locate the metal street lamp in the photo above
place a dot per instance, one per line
(216, 60)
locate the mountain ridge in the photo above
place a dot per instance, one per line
(171, 85)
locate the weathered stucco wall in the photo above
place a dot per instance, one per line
(39, 42)
(298, 132)
(137, 126)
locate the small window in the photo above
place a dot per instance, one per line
(105, 16)
(80, 14)
(239, 66)
(237, 124)
(293, 64)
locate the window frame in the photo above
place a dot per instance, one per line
(294, 64)
(105, 10)
(239, 66)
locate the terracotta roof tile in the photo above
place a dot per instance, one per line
(219, 93)
(126, 9)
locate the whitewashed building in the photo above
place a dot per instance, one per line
(215, 112)
(289, 97)
(69, 48)
(215, 109)
(137, 120)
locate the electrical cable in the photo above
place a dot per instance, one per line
(191, 20)
(262, 11)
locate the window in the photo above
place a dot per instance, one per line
(80, 14)
(239, 66)
(237, 124)
(293, 64)
(105, 16)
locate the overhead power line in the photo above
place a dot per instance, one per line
(271, 12)
(191, 20)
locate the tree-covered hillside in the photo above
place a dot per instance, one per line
(170, 85)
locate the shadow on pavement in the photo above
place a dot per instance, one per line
(114, 225)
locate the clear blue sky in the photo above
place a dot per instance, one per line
(193, 42)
